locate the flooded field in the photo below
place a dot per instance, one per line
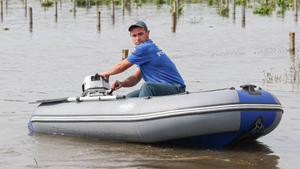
(51, 59)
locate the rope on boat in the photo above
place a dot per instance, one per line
(213, 90)
(80, 99)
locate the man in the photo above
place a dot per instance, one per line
(153, 65)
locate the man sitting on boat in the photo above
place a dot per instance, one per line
(153, 65)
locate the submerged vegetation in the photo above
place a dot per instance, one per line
(266, 7)
(224, 11)
(240, 2)
(261, 7)
(47, 3)
(289, 76)
(100, 2)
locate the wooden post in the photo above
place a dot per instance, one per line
(98, 19)
(175, 12)
(243, 15)
(25, 7)
(113, 12)
(227, 3)
(177, 8)
(124, 54)
(113, 9)
(233, 7)
(122, 5)
(243, 12)
(129, 6)
(292, 41)
(1, 8)
(1, 11)
(173, 22)
(295, 10)
(233, 10)
(74, 5)
(60, 3)
(55, 11)
(55, 8)
(253, 7)
(30, 17)
(295, 7)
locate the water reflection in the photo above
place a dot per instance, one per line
(112, 21)
(57, 150)
(233, 17)
(30, 28)
(98, 29)
(254, 153)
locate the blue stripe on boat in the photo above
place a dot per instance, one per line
(265, 97)
(248, 117)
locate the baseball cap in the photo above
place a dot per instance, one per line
(138, 24)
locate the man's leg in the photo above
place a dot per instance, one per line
(135, 93)
(158, 89)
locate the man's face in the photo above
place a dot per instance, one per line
(139, 35)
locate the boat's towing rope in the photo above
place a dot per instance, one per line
(80, 99)
(213, 90)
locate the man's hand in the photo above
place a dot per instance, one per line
(103, 74)
(116, 85)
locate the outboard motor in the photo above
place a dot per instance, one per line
(95, 85)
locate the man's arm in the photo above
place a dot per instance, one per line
(133, 79)
(116, 69)
(130, 81)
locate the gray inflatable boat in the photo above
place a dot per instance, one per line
(210, 118)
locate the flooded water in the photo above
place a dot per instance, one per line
(51, 59)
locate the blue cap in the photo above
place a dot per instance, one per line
(140, 24)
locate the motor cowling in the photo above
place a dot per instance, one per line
(94, 85)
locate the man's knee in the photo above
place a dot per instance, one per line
(147, 89)
(148, 85)
(133, 94)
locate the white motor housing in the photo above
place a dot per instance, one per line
(94, 85)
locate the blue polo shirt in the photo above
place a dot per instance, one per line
(154, 64)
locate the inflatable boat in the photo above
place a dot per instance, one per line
(207, 118)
